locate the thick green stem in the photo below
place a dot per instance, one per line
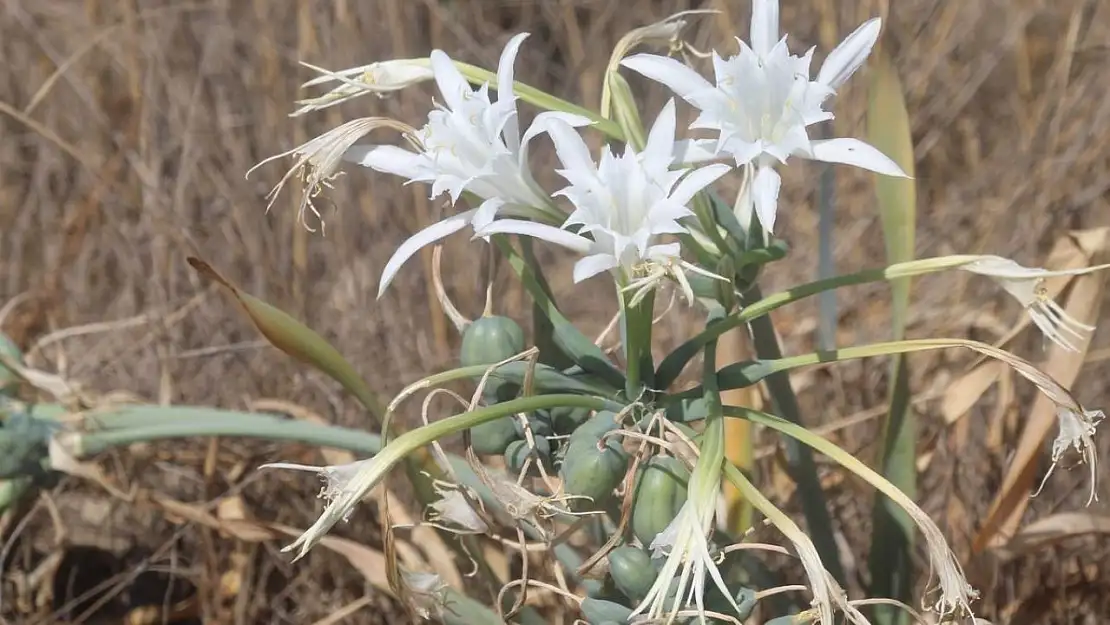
(637, 345)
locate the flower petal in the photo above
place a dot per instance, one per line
(855, 152)
(388, 159)
(765, 26)
(658, 150)
(542, 122)
(847, 57)
(765, 193)
(689, 151)
(551, 234)
(697, 180)
(450, 81)
(590, 266)
(505, 88)
(681, 79)
(413, 244)
(572, 150)
(486, 213)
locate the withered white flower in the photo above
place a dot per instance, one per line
(1077, 430)
(381, 79)
(1027, 286)
(337, 478)
(427, 593)
(318, 161)
(454, 511)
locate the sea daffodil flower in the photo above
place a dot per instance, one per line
(762, 103)
(622, 204)
(469, 144)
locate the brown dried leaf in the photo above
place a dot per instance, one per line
(1051, 530)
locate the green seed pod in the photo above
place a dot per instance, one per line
(745, 599)
(493, 437)
(592, 471)
(790, 619)
(519, 451)
(8, 379)
(539, 422)
(632, 571)
(23, 445)
(565, 420)
(594, 427)
(599, 611)
(660, 493)
(490, 340)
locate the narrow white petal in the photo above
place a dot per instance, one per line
(681, 79)
(413, 244)
(450, 81)
(486, 213)
(857, 153)
(697, 180)
(542, 123)
(551, 234)
(590, 266)
(660, 141)
(689, 151)
(388, 159)
(765, 193)
(765, 26)
(511, 132)
(849, 56)
(572, 150)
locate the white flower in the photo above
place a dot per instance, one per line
(469, 144)
(379, 78)
(1027, 286)
(623, 203)
(318, 161)
(762, 102)
(337, 478)
(1077, 429)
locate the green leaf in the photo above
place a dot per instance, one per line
(893, 531)
(297, 340)
(543, 331)
(799, 460)
(567, 337)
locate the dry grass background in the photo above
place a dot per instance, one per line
(125, 131)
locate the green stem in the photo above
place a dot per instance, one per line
(637, 344)
(676, 361)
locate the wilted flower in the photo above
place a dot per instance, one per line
(318, 161)
(379, 78)
(337, 478)
(763, 101)
(1077, 430)
(623, 203)
(427, 593)
(469, 144)
(454, 510)
(1027, 286)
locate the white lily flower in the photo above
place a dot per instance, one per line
(1077, 430)
(762, 102)
(469, 144)
(623, 203)
(1027, 286)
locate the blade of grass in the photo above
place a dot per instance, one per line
(892, 536)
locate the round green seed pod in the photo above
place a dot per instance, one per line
(594, 427)
(592, 469)
(490, 340)
(790, 619)
(744, 597)
(519, 451)
(599, 611)
(8, 379)
(632, 571)
(660, 493)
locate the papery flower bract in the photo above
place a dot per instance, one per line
(1026, 285)
(469, 144)
(453, 509)
(379, 78)
(762, 102)
(319, 158)
(1077, 430)
(623, 203)
(427, 593)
